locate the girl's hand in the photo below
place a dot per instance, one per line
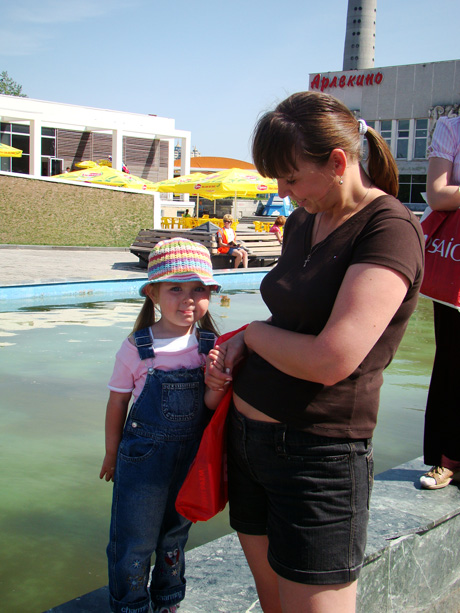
(108, 467)
(216, 375)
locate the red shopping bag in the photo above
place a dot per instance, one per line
(204, 492)
(441, 281)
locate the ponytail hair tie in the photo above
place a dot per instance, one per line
(362, 127)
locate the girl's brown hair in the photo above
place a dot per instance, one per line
(280, 220)
(309, 125)
(146, 317)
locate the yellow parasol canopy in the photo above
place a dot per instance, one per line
(104, 175)
(236, 183)
(9, 152)
(185, 184)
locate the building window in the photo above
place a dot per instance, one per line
(402, 143)
(48, 151)
(421, 134)
(410, 191)
(16, 135)
(385, 130)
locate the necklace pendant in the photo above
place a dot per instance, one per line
(307, 260)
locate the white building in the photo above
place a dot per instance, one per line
(56, 136)
(403, 103)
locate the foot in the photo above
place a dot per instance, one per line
(438, 477)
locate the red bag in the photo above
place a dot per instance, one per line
(441, 281)
(204, 492)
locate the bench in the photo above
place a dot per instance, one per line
(263, 248)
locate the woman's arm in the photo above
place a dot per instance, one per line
(368, 298)
(440, 194)
(115, 417)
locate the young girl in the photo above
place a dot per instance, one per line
(148, 454)
(277, 228)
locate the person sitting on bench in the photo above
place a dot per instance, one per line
(227, 244)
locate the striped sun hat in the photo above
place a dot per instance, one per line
(179, 260)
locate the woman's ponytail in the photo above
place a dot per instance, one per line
(381, 165)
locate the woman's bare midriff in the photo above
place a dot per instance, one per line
(249, 411)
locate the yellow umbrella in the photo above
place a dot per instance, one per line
(236, 183)
(185, 184)
(104, 175)
(87, 164)
(9, 152)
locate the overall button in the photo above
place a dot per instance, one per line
(134, 424)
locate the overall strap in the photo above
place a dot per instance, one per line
(206, 341)
(144, 343)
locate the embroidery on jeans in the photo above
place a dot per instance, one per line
(135, 582)
(172, 560)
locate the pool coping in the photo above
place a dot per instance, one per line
(12, 296)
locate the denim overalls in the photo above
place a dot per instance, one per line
(160, 439)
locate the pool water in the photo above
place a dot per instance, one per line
(55, 365)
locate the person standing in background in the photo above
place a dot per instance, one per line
(441, 445)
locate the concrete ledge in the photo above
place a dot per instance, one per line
(16, 296)
(412, 557)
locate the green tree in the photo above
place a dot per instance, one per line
(10, 87)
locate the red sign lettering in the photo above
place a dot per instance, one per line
(316, 81)
(322, 82)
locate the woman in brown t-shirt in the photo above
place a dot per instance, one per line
(306, 396)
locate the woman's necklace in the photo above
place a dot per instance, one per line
(313, 238)
(320, 218)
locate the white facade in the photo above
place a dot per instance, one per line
(403, 103)
(117, 125)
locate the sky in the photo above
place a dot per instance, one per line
(212, 66)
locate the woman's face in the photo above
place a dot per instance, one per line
(311, 186)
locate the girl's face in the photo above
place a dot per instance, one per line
(181, 305)
(311, 186)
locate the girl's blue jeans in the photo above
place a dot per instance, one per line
(160, 440)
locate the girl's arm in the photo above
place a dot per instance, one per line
(279, 236)
(215, 386)
(369, 297)
(115, 417)
(440, 194)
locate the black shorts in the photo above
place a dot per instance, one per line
(309, 494)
